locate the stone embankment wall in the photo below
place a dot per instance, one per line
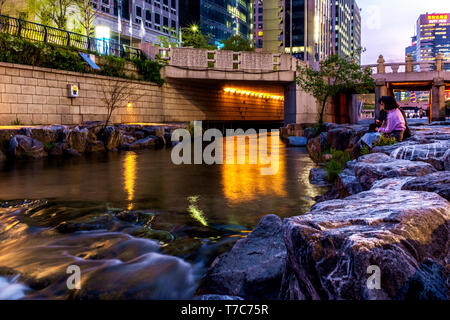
(39, 96)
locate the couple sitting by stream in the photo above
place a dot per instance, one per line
(391, 121)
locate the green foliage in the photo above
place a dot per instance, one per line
(195, 39)
(16, 122)
(385, 141)
(149, 70)
(112, 66)
(335, 75)
(364, 150)
(336, 164)
(21, 51)
(237, 43)
(17, 50)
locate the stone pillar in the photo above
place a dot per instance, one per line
(438, 100)
(380, 91)
(409, 63)
(290, 103)
(381, 68)
(352, 107)
(439, 62)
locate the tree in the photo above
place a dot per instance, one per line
(336, 74)
(117, 94)
(54, 11)
(237, 43)
(87, 15)
(193, 37)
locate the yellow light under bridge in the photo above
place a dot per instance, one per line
(260, 95)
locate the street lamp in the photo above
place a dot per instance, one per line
(194, 28)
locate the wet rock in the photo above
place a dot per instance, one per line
(99, 223)
(126, 139)
(389, 149)
(5, 138)
(22, 146)
(217, 297)
(111, 138)
(318, 176)
(347, 184)
(148, 142)
(377, 166)
(316, 146)
(58, 149)
(139, 134)
(428, 283)
(154, 276)
(391, 183)
(446, 160)
(421, 151)
(339, 138)
(2, 156)
(77, 139)
(330, 249)
(95, 146)
(297, 141)
(46, 135)
(72, 152)
(438, 182)
(253, 269)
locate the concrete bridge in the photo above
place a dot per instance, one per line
(413, 76)
(263, 83)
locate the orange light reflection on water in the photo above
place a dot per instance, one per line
(129, 175)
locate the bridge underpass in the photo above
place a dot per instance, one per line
(230, 87)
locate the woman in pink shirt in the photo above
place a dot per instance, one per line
(395, 123)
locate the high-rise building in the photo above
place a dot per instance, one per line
(273, 26)
(258, 23)
(412, 48)
(432, 36)
(346, 28)
(140, 20)
(307, 28)
(219, 19)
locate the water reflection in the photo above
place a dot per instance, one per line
(129, 175)
(244, 181)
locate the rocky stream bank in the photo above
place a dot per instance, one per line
(55, 141)
(388, 210)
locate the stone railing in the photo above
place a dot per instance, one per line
(225, 60)
(381, 67)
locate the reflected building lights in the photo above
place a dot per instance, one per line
(129, 175)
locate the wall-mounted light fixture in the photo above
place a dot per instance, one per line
(248, 93)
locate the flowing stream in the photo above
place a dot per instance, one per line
(137, 226)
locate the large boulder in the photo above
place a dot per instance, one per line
(377, 166)
(149, 142)
(111, 138)
(254, 267)
(22, 146)
(47, 135)
(438, 182)
(347, 184)
(446, 160)
(421, 151)
(318, 176)
(77, 139)
(333, 250)
(316, 146)
(297, 141)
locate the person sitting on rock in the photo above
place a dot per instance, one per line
(395, 122)
(379, 121)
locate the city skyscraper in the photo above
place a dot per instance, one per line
(346, 28)
(432, 36)
(258, 23)
(219, 19)
(140, 20)
(273, 26)
(307, 28)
